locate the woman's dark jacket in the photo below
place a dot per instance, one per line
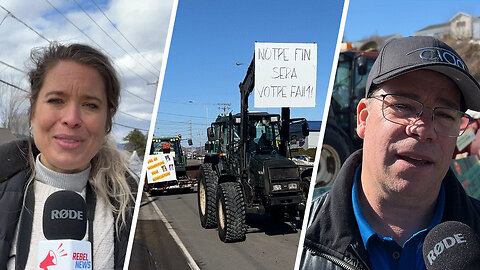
(14, 174)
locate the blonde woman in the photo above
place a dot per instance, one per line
(74, 96)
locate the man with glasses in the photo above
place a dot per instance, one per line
(388, 195)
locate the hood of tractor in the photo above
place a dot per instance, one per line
(277, 167)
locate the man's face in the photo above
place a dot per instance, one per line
(413, 159)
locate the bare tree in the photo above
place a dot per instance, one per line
(469, 51)
(14, 109)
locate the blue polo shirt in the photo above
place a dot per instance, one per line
(384, 252)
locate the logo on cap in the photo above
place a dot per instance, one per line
(437, 54)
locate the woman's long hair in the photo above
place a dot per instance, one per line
(108, 180)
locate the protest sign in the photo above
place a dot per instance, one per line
(160, 168)
(285, 74)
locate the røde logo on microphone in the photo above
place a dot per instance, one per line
(443, 245)
(66, 214)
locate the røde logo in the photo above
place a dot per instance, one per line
(439, 55)
(66, 214)
(443, 245)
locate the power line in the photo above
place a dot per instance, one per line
(127, 126)
(176, 122)
(190, 102)
(178, 130)
(183, 129)
(13, 16)
(4, 18)
(81, 31)
(167, 122)
(123, 35)
(131, 115)
(78, 28)
(184, 115)
(149, 101)
(10, 66)
(46, 39)
(184, 133)
(114, 41)
(173, 102)
(14, 86)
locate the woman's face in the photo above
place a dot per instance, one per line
(69, 118)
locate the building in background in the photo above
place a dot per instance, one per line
(461, 26)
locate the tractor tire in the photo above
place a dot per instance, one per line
(334, 152)
(206, 194)
(305, 185)
(231, 212)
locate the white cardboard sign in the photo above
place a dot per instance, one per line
(160, 168)
(285, 74)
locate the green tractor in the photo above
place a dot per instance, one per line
(183, 181)
(246, 170)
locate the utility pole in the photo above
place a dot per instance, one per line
(225, 107)
(191, 137)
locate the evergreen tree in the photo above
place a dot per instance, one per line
(136, 140)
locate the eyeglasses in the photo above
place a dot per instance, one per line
(405, 111)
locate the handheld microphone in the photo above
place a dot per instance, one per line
(451, 245)
(64, 225)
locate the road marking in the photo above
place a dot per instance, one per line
(191, 262)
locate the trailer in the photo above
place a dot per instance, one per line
(167, 167)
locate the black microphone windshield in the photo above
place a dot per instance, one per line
(451, 245)
(64, 216)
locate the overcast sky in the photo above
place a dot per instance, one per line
(143, 22)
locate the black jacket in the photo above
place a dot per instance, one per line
(332, 239)
(14, 173)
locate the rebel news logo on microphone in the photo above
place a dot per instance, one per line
(64, 225)
(451, 245)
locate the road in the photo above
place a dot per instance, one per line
(268, 245)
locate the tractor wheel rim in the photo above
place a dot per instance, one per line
(221, 216)
(329, 165)
(203, 198)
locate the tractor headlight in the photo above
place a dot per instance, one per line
(277, 187)
(292, 186)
